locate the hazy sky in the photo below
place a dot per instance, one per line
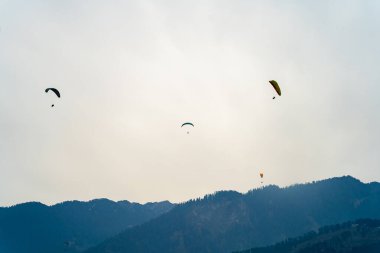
(131, 72)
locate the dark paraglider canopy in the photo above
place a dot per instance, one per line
(276, 87)
(54, 90)
(187, 123)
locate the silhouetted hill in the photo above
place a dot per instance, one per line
(69, 226)
(362, 236)
(229, 221)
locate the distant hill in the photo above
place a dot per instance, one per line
(362, 236)
(70, 226)
(229, 221)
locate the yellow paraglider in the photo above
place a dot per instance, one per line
(276, 87)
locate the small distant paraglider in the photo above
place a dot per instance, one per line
(187, 124)
(276, 87)
(261, 176)
(55, 91)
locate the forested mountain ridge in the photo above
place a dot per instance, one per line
(70, 226)
(361, 236)
(228, 221)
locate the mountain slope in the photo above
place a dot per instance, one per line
(69, 226)
(228, 221)
(351, 237)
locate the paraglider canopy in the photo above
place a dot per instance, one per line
(276, 87)
(54, 90)
(187, 124)
(262, 176)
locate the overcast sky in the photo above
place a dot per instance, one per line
(131, 72)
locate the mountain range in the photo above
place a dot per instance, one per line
(230, 221)
(71, 226)
(223, 222)
(361, 236)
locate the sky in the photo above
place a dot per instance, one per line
(131, 72)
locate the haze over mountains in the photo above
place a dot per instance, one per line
(71, 226)
(229, 221)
